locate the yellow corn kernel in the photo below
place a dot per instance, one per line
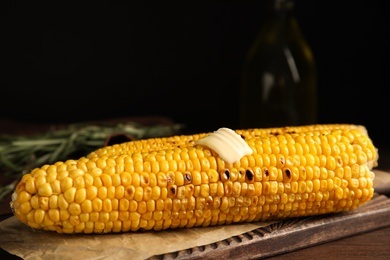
(30, 185)
(66, 183)
(25, 208)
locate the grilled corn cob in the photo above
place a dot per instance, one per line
(287, 175)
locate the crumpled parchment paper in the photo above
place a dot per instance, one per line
(20, 240)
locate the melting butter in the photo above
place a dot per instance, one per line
(229, 145)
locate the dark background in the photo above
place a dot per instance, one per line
(182, 59)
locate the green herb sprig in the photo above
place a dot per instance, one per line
(21, 154)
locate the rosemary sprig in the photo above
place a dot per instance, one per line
(21, 154)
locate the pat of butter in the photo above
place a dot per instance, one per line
(227, 143)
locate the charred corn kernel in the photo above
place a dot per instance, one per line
(166, 183)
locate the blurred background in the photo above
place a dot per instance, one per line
(182, 60)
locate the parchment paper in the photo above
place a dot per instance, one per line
(29, 244)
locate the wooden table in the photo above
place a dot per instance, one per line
(374, 244)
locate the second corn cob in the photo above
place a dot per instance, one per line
(184, 140)
(287, 175)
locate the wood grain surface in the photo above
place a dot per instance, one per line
(293, 234)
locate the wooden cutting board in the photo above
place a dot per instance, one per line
(294, 234)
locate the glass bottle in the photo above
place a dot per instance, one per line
(279, 81)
